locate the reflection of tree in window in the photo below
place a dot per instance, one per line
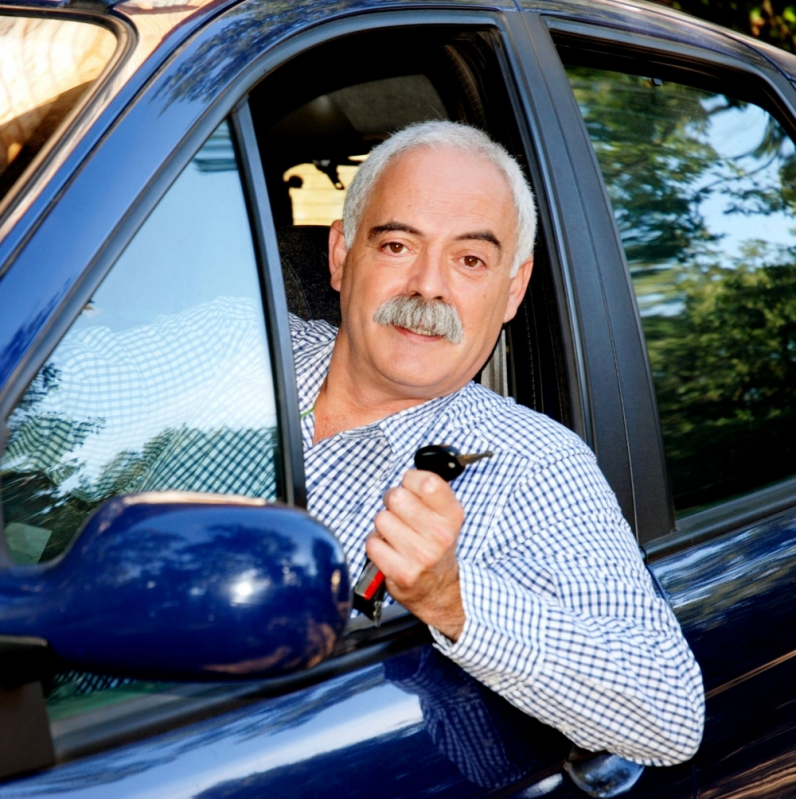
(694, 178)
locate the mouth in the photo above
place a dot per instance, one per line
(419, 331)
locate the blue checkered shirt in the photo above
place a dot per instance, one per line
(561, 616)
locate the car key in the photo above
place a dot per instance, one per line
(448, 463)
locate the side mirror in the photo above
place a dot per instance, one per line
(185, 586)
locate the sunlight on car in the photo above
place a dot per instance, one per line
(47, 67)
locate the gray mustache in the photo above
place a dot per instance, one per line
(435, 317)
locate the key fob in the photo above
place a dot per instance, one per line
(441, 460)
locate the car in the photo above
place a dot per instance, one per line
(172, 623)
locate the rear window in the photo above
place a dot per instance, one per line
(46, 66)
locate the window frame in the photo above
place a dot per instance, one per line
(660, 531)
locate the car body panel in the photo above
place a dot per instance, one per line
(364, 730)
(732, 594)
(413, 726)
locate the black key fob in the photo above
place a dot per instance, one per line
(441, 460)
(445, 461)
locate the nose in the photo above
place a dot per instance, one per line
(428, 277)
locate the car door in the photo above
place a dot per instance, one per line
(686, 136)
(156, 269)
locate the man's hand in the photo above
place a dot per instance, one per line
(415, 546)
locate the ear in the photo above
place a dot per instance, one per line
(519, 283)
(337, 253)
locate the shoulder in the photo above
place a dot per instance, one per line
(309, 333)
(506, 426)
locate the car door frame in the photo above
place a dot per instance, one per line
(743, 548)
(643, 477)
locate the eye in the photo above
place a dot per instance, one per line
(395, 247)
(472, 261)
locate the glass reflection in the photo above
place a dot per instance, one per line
(164, 380)
(48, 65)
(703, 188)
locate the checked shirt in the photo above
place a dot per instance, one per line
(562, 617)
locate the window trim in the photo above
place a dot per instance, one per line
(272, 289)
(731, 515)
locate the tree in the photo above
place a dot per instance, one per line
(771, 21)
(703, 189)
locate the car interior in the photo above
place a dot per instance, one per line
(317, 118)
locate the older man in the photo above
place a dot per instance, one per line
(527, 575)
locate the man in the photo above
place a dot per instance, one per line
(526, 574)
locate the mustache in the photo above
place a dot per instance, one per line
(434, 317)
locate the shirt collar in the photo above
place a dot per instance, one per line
(404, 431)
(312, 364)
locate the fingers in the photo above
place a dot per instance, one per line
(399, 569)
(432, 489)
(423, 549)
(415, 546)
(433, 512)
(418, 529)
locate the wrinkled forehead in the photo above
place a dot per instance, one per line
(442, 170)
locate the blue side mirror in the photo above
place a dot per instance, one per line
(186, 586)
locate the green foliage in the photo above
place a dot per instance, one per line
(725, 371)
(771, 22)
(718, 310)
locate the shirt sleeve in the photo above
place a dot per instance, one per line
(563, 621)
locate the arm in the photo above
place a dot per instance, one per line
(562, 620)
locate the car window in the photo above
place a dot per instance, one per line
(319, 116)
(163, 382)
(703, 188)
(48, 66)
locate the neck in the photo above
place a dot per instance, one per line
(345, 403)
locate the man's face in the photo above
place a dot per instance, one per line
(439, 226)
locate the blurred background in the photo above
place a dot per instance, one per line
(769, 21)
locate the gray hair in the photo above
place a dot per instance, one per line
(438, 134)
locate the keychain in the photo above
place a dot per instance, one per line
(448, 464)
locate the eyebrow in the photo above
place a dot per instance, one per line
(481, 235)
(392, 227)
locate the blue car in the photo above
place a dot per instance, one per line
(172, 623)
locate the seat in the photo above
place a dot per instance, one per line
(303, 251)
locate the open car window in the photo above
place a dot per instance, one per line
(319, 116)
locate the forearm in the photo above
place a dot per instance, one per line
(623, 680)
